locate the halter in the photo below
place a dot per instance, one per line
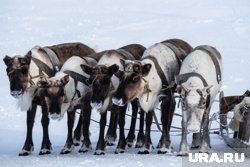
(184, 77)
(30, 77)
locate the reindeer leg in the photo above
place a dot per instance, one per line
(147, 146)
(111, 133)
(69, 145)
(205, 138)
(167, 110)
(86, 116)
(46, 144)
(140, 136)
(78, 132)
(122, 141)
(131, 134)
(196, 141)
(184, 145)
(101, 143)
(28, 147)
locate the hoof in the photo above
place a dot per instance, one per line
(143, 152)
(26, 152)
(44, 152)
(195, 147)
(183, 153)
(139, 144)
(119, 151)
(165, 150)
(85, 149)
(130, 143)
(67, 150)
(99, 152)
(77, 142)
(110, 143)
(205, 149)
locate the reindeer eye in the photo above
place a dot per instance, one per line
(136, 69)
(136, 78)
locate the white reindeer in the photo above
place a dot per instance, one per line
(198, 83)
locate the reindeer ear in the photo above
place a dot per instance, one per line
(181, 88)
(87, 69)
(122, 61)
(178, 89)
(113, 69)
(207, 88)
(65, 80)
(28, 57)
(7, 60)
(145, 69)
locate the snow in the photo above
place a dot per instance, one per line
(109, 24)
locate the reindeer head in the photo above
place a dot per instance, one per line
(132, 83)
(17, 71)
(100, 82)
(195, 103)
(53, 91)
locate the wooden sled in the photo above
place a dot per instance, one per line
(239, 140)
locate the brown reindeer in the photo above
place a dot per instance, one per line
(25, 72)
(104, 84)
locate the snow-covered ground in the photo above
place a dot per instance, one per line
(108, 24)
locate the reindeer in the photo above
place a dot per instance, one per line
(150, 82)
(104, 84)
(25, 72)
(198, 82)
(63, 91)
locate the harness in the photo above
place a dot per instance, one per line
(210, 52)
(79, 77)
(179, 53)
(44, 67)
(159, 72)
(125, 54)
(53, 58)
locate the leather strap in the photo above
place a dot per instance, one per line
(44, 67)
(179, 79)
(77, 77)
(125, 54)
(158, 69)
(214, 59)
(53, 58)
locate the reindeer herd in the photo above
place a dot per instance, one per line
(72, 76)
